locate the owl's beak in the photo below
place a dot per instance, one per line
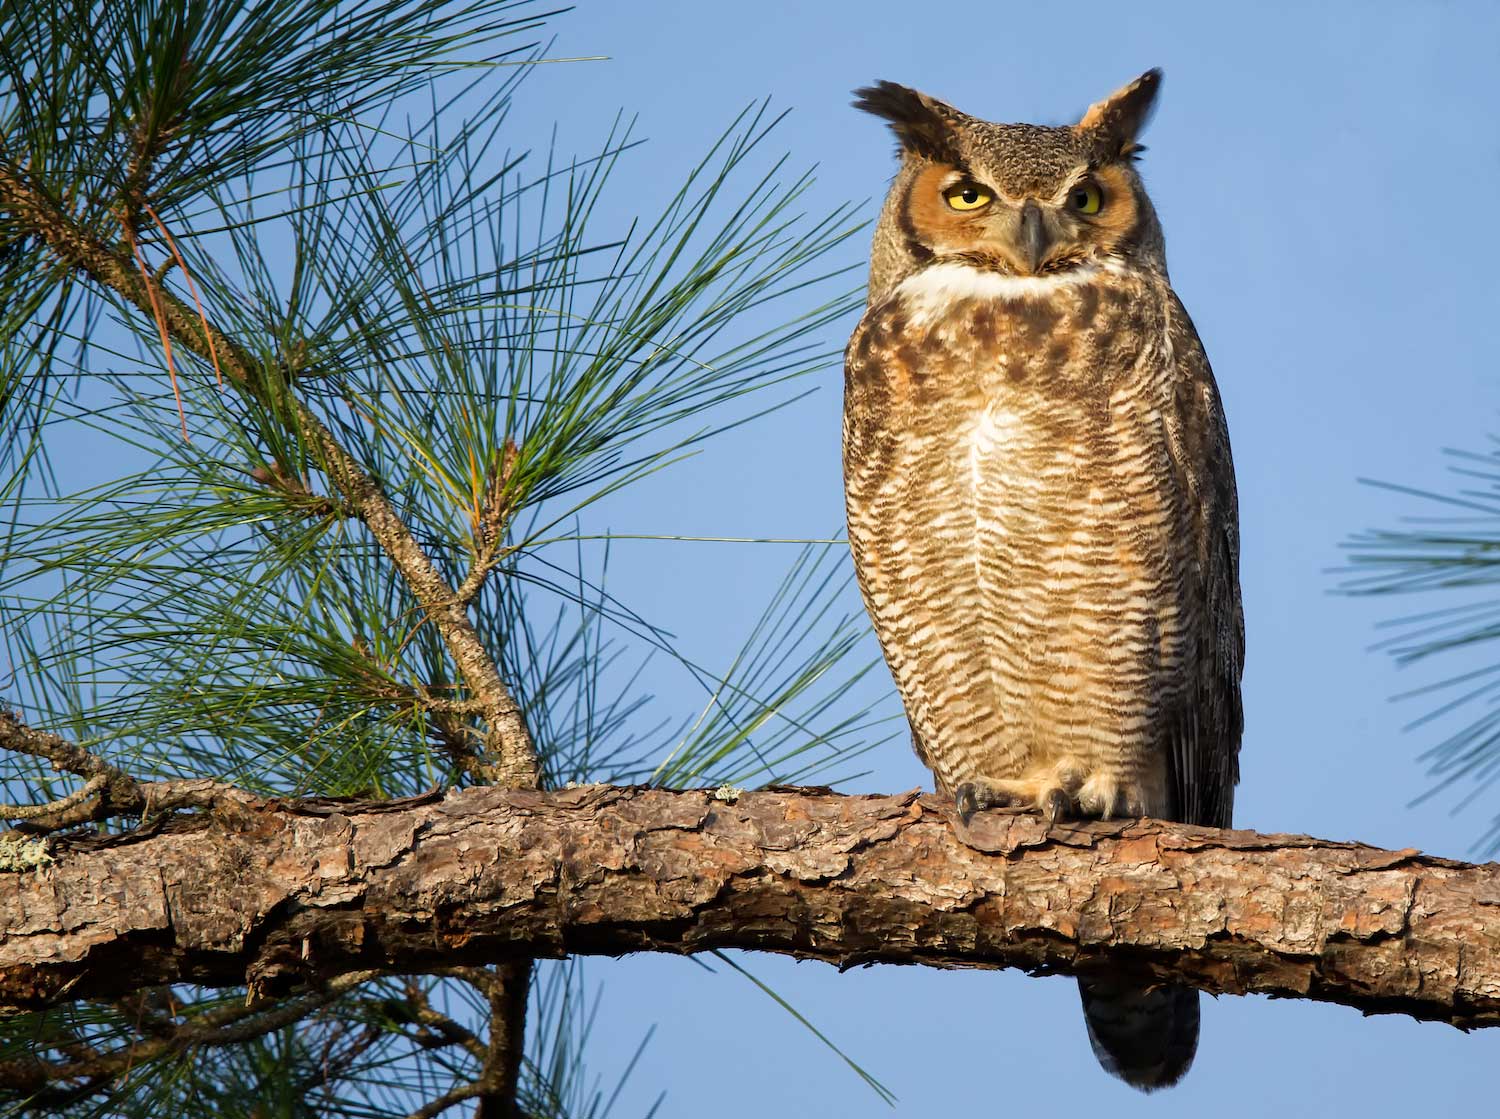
(1034, 240)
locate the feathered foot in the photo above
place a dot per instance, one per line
(983, 792)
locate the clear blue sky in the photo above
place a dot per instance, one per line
(1326, 176)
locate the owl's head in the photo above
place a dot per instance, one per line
(1019, 199)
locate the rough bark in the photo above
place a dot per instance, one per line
(284, 893)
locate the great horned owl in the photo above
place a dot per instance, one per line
(1041, 500)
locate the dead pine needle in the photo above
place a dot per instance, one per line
(161, 324)
(208, 335)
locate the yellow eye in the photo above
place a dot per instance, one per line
(967, 196)
(1086, 198)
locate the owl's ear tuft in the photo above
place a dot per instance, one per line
(1116, 121)
(923, 125)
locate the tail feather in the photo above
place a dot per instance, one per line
(1145, 1036)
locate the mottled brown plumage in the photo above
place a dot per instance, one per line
(1040, 496)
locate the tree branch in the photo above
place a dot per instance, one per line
(109, 791)
(510, 755)
(224, 1026)
(288, 893)
(508, 988)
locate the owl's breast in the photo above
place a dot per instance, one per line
(1036, 372)
(1013, 509)
(954, 333)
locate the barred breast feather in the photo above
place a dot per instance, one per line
(1041, 508)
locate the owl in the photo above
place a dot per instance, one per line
(1041, 500)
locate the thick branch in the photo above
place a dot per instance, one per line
(284, 893)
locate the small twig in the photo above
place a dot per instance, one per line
(493, 505)
(64, 755)
(420, 1010)
(189, 792)
(447, 1100)
(110, 791)
(54, 807)
(446, 706)
(474, 581)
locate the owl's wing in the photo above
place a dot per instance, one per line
(1204, 758)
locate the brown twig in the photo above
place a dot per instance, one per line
(55, 808)
(446, 1100)
(109, 791)
(64, 755)
(419, 1009)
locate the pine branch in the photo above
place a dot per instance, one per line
(230, 1025)
(506, 989)
(109, 791)
(508, 757)
(295, 891)
(1452, 547)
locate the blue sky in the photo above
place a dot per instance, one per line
(1325, 177)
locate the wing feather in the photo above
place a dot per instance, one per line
(1204, 758)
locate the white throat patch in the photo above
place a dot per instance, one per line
(935, 289)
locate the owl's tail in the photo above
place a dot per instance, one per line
(1146, 1037)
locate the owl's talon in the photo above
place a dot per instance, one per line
(976, 796)
(1055, 803)
(965, 802)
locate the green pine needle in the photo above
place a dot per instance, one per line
(1454, 553)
